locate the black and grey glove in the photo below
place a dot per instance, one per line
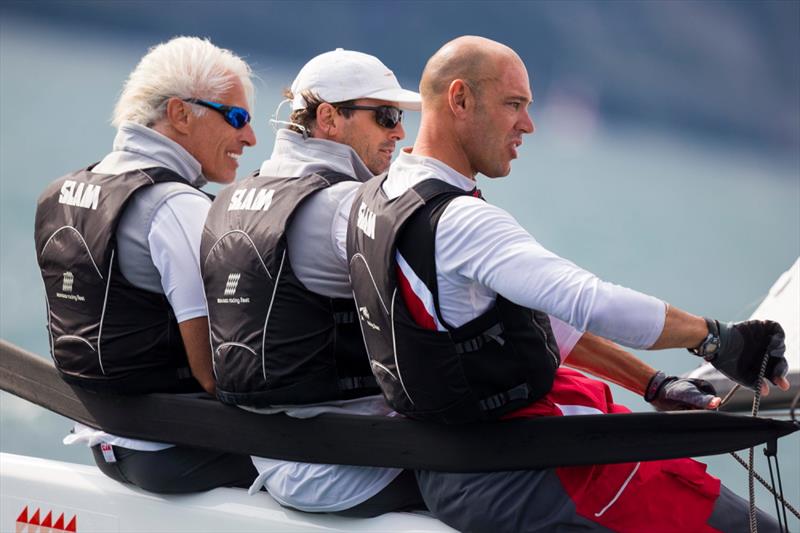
(671, 393)
(738, 349)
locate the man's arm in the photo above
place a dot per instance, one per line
(681, 330)
(605, 359)
(194, 333)
(175, 248)
(485, 244)
(737, 350)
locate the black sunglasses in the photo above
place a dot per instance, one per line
(235, 116)
(387, 116)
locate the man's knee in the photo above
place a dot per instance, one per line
(732, 515)
(519, 501)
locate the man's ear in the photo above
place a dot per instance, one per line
(179, 115)
(326, 126)
(458, 97)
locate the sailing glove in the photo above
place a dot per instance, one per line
(738, 350)
(671, 393)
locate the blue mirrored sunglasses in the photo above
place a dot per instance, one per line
(235, 116)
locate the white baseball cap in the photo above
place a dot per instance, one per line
(344, 75)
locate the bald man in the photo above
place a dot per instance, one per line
(485, 316)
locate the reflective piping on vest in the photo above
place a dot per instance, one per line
(77, 338)
(251, 244)
(103, 314)
(152, 181)
(619, 492)
(269, 312)
(89, 253)
(238, 344)
(211, 343)
(373, 362)
(371, 277)
(394, 349)
(366, 348)
(555, 357)
(49, 329)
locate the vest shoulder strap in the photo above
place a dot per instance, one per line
(417, 240)
(165, 175)
(333, 177)
(431, 188)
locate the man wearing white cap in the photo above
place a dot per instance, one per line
(289, 341)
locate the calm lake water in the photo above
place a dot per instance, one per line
(705, 226)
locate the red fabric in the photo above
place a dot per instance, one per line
(414, 305)
(662, 496)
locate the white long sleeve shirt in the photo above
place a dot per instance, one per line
(481, 251)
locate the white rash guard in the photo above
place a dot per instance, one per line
(481, 251)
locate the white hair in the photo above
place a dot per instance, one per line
(184, 67)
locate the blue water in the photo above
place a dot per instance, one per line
(704, 225)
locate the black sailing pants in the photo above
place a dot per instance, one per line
(178, 469)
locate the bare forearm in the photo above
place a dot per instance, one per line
(681, 330)
(605, 359)
(194, 333)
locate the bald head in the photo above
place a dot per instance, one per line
(469, 58)
(475, 98)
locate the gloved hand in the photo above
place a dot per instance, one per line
(741, 348)
(671, 393)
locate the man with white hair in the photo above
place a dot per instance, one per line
(283, 327)
(118, 246)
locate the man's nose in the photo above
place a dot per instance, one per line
(248, 136)
(397, 133)
(526, 124)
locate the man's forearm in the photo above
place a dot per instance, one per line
(605, 359)
(194, 333)
(681, 330)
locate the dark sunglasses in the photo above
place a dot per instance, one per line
(385, 115)
(235, 116)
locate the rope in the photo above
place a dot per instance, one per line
(767, 486)
(793, 406)
(751, 455)
(730, 394)
(751, 473)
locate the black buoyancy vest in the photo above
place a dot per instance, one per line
(105, 334)
(502, 360)
(274, 341)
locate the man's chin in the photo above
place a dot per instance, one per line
(498, 173)
(379, 169)
(222, 180)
